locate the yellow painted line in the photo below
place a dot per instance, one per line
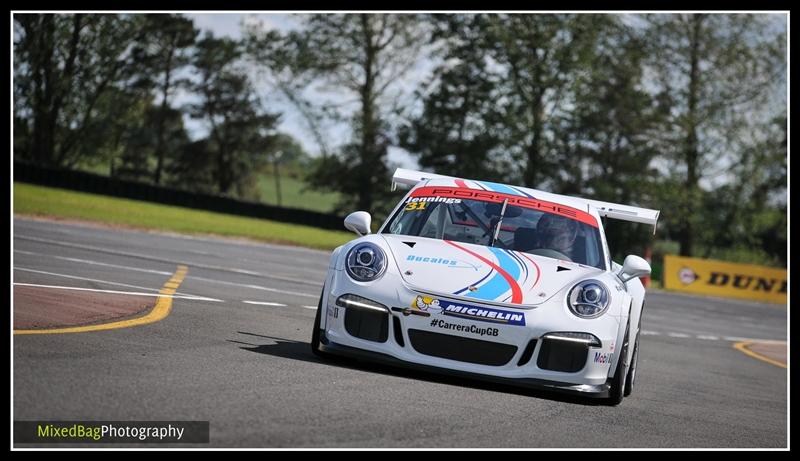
(742, 346)
(159, 312)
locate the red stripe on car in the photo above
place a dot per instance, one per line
(516, 292)
(538, 270)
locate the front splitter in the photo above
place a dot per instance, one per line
(582, 390)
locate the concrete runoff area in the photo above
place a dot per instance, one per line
(247, 368)
(37, 307)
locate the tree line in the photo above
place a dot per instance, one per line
(681, 112)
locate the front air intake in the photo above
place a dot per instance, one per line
(398, 332)
(461, 349)
(562, 355)
(527, 353)
(369, 324)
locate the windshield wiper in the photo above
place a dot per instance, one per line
(496, 230)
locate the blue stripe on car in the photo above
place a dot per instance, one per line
(522, 192)
(474, 284)
(521, 263)
(497, 285)
(495, 187)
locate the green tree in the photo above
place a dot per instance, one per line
(63, 66)
(717, 71)
(162, 53)
(606, 142)
(241, 133)
(140, 141)
(543, 57)
(746, 219)
(286, 153)
(359, 57)
(120, 110)
(459, 131)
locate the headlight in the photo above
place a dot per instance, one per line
(574, 336)
(365, 262)
(588, 299)
(351, 300)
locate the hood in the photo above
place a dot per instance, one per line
(478, 273)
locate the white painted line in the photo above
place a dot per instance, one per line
(754, 340)
(131, 293)
(709, 337)
(88, 247)
(239, 271)
(24, 269)
(255, 287)
(736, 339)
(265, 303)
(155, 258)
(678, 335)
(309, 307)
(75, 228)
(96, 263)
(152, 271)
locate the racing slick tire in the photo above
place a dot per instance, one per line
(631, 378)
(618, 382)
(316, 333)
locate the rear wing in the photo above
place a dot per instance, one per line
(410, 178)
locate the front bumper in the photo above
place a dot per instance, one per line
(511, 353)
(584, 390)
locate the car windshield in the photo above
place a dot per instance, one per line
(525, 224)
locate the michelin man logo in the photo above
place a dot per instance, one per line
(687, 276)
(423, 303)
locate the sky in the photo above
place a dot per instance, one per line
(230, 25)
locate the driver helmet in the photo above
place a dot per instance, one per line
(557, 233)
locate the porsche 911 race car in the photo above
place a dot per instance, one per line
(491, 281)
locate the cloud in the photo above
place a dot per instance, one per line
(230, 24)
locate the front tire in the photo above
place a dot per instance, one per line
(316, 333)
(629, 381)
(618, 382)
(634, 360)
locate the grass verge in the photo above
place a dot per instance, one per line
(47, 201)
(295, 194)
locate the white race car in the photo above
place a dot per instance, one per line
(492, 281)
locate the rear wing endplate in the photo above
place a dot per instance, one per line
(410, 178)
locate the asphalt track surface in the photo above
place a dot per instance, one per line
(247, 368)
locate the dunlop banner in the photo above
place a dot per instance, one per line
(718, 278)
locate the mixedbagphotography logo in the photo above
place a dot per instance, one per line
(37, 432)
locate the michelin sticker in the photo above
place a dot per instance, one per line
(423, 303)
(467, 311)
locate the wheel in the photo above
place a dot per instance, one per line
(315, 333)
(617, 391)
(631, 378)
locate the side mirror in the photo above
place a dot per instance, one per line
(359, 222)
(633, 267)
